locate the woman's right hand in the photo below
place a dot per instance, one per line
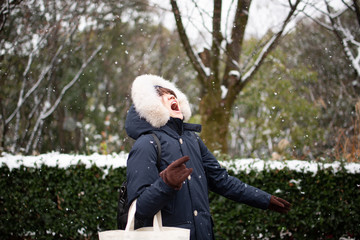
(176, 173)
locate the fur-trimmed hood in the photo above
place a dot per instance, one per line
(148, 103)
(148, 112)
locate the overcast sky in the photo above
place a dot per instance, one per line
(263, 14)
(261, 17)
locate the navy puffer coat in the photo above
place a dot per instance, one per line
(189, 206)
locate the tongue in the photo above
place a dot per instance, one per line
(174, 106)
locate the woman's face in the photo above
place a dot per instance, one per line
(172, 105)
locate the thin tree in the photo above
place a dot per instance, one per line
(48, 108)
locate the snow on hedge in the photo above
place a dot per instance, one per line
(295, 165)
(55, 159)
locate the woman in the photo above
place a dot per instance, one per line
(179, 186)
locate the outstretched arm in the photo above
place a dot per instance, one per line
(228, 186)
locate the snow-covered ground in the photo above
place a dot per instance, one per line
(119, 160)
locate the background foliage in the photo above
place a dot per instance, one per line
(300, 104)
(75, 203)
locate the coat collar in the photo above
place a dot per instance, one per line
(136, 126)
(186, 126)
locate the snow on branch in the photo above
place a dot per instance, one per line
(345, 36)
(48, 109)
(355, 60)
(71, 83)
(185, 41)
(347, 40)
(270, 44)
(260, 58)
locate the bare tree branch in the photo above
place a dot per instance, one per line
(267, 48)
(324, 25)
(201, 12)
(195, 61)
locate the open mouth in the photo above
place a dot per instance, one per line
(175, 106)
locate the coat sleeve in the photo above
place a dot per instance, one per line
(143, 180)
(221, 182)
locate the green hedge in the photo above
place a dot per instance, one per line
(77, 202)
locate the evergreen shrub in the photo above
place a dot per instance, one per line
(75, 203)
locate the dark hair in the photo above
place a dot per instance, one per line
(161, 91)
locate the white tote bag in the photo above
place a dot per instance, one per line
(157, 232)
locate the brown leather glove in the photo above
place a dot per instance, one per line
(279, 205)
(176, 173)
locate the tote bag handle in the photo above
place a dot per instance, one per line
(157, 232)
(130, 226)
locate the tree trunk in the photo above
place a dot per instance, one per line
(215, 121)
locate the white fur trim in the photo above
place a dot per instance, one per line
(148, 103)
